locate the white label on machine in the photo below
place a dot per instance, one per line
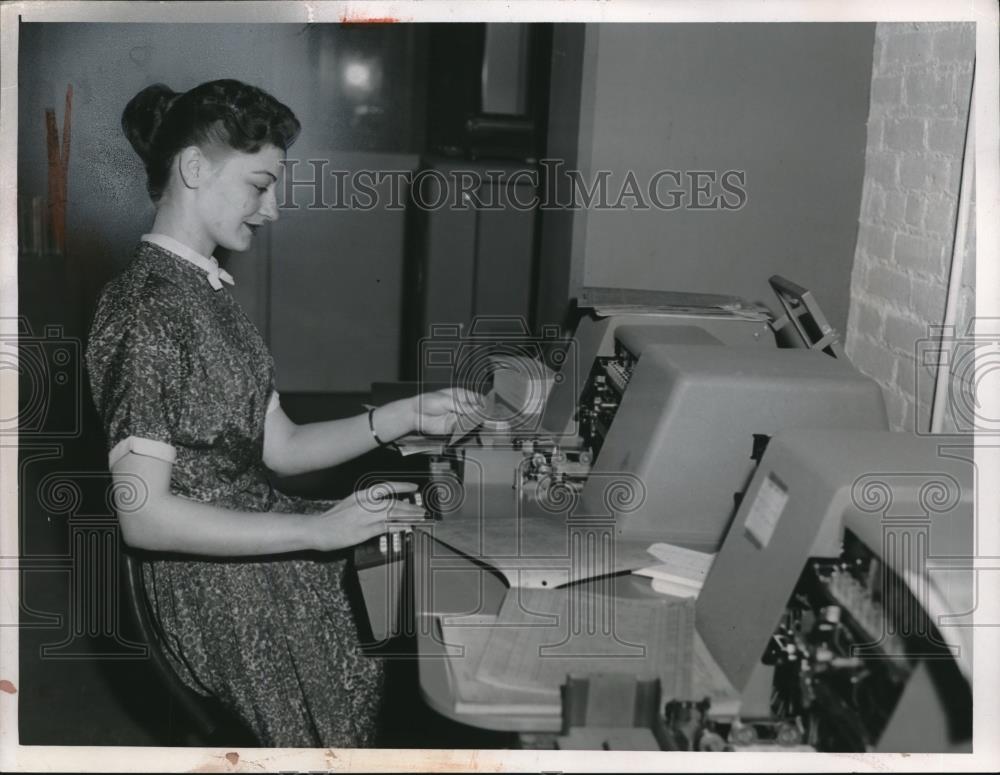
(766, 509)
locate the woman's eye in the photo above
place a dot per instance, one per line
(261, 189)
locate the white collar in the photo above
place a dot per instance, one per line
(207, 263)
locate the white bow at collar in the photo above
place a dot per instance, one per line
(216, 274)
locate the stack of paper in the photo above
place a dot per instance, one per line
(521, 382)
(466, 640)
(680, 572)
(417, 444)
(466, 425)
(542, 635)
(519, 387)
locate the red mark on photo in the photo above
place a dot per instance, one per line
(359, 17)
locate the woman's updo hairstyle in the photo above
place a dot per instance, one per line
(160, 122)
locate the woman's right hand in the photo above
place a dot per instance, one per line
(366, 514)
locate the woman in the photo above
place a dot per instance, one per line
(185, 387)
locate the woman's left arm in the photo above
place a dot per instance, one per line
(291, 449)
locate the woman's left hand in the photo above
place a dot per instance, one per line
(439, 413)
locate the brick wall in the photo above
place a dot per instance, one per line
(921, 77)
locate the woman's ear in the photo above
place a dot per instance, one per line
(192, 165)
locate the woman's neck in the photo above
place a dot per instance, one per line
(170, 223)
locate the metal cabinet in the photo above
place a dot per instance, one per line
(470, 237)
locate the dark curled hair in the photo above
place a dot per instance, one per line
(160, 122)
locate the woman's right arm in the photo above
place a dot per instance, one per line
(154, 519)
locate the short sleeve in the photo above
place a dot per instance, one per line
(137, 374)
(141, 446)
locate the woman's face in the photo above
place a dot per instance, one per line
(238, 195)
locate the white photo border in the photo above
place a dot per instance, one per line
(986, 690)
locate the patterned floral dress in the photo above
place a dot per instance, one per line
(177, 365)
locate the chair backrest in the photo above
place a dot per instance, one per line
(194, 706)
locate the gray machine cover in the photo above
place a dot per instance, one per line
(683, 434)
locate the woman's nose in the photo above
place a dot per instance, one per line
(269, 206)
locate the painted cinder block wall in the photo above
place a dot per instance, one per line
(921, 81)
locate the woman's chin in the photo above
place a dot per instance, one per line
(239, 243)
